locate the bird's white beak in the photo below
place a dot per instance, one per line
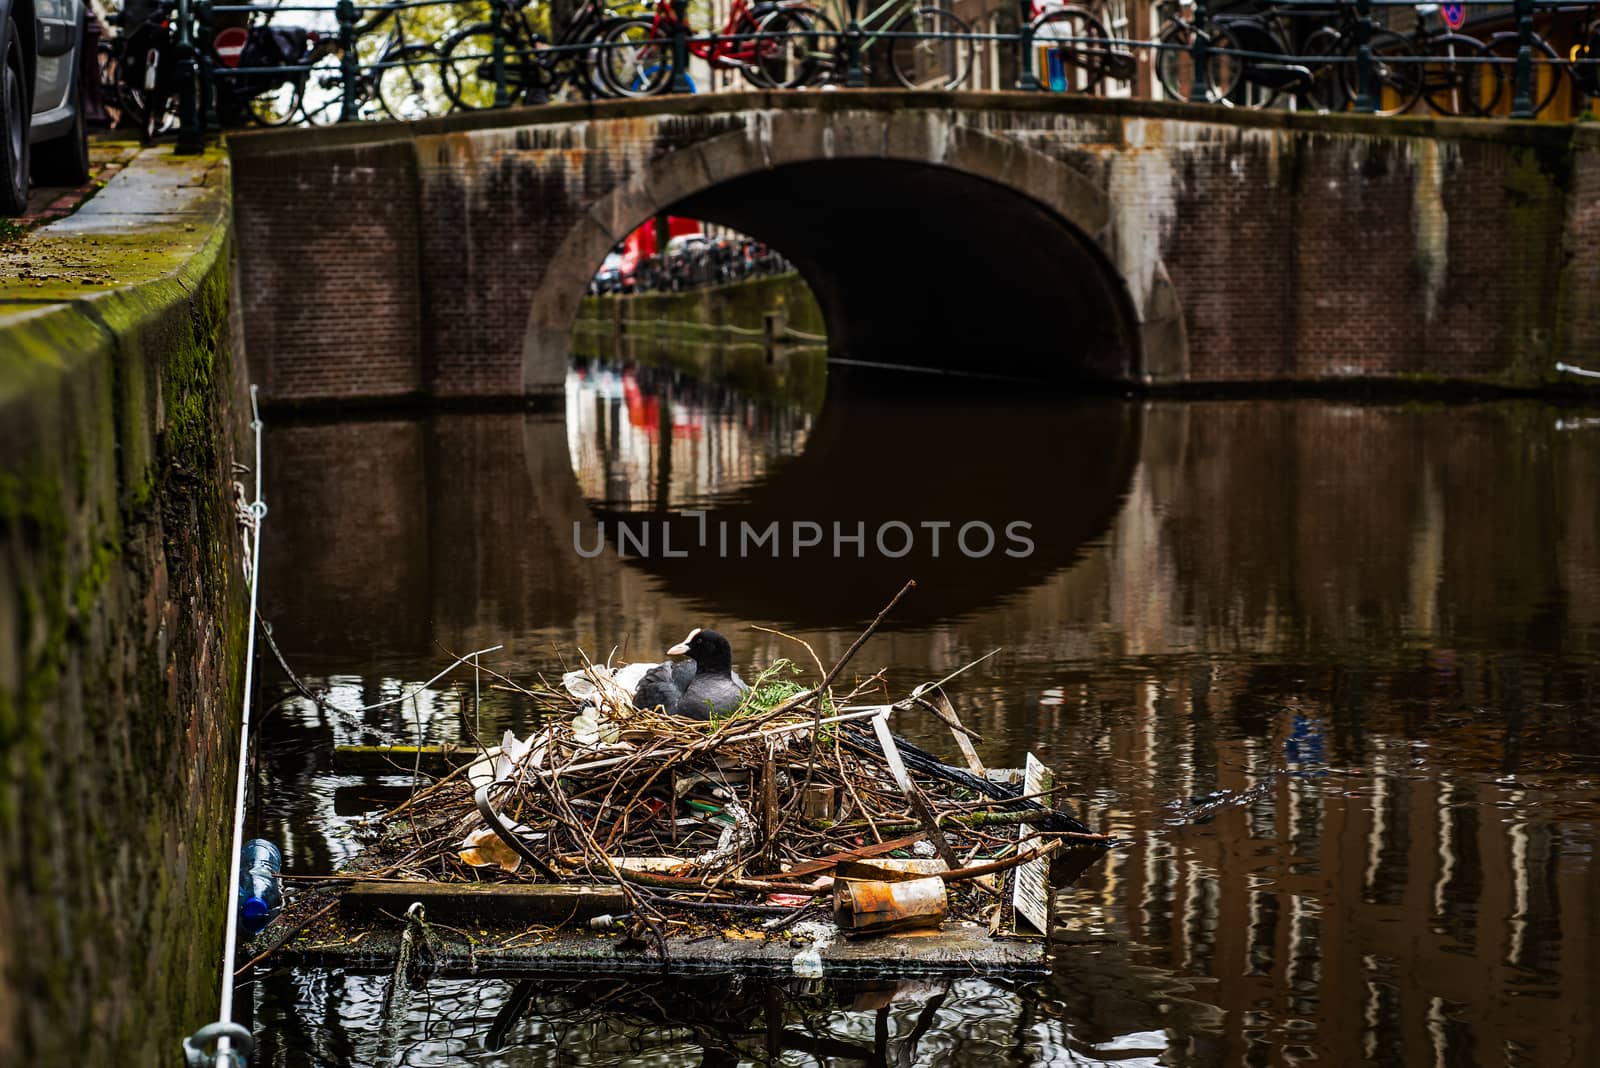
(682, 648)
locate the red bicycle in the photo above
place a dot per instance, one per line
(636, 54)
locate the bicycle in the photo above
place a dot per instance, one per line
(1582, 63)
(1174, 59)
(1076, 48)
(534, 72)
(139, 70)
(1466, 81)
(636, 54)
(402, 81)
(929, 47)
(1323, 72)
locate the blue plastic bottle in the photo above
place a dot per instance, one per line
(259, 895)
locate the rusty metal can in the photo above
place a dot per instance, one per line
(862, 906)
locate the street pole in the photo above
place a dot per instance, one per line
(1027, 77)
(680, 48)
(501, 97)
(1200, 57)
(855, 77)
(1522, 102)
(349, 65)
(191, 138)
(1366, 100)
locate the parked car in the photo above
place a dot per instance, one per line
(42, 98)
(608, 279)
(684, 242)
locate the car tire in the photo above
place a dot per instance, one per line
(64, 160)
(15, 111)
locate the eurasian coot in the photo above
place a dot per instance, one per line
(697, 688)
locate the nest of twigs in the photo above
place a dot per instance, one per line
(754, 810)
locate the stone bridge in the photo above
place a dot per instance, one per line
(1045, 238)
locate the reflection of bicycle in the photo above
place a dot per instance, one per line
(636, 54)
(401, 81)
(533, 72)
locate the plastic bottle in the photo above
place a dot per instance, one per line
(259, 895)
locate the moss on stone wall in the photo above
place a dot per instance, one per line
(122, 618)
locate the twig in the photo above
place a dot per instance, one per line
(827, 680)
(305, 691)
(301, 926)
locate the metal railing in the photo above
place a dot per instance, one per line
(1359, 62)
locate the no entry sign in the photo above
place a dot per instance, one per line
(1454, 14)
(229, 45)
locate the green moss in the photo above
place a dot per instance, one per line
(96, 737)
(1537, 180)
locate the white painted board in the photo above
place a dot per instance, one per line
(1030, 890)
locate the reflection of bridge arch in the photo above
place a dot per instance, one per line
(926, 243)
(870, 462)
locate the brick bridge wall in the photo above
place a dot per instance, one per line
(446, 258)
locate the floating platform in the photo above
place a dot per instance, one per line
(956, 949)
(543, 930)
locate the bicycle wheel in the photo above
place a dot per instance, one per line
(110, 65)
(632, 61)
(1546, 73)
(582, 72)
(322, 99)
(412, 88)
(1396, 86)
(824, 45)
(788, 61)
(279, 105)
(468, 67)
(930, 60)
(1068, 46)
(1175, 67)
(1585, 60)
(1464, 80)
(1326, 91)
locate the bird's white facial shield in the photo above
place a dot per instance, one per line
(682, 648)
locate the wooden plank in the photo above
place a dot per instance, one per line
(955, 950)
(821, 864)
(913, 796)
(1030, 889)
(963, 743)
(501, 904)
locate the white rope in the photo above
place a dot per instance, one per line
(258, 510)
(1571, 370)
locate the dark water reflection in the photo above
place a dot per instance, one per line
(1330, 668)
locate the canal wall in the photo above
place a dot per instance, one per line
(1056, 238)
(123, 612)
(716, 334)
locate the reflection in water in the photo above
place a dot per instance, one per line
(639, 439)
(1330, 668)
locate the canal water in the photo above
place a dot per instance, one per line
(1330, 669)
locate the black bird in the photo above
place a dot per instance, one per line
(697, 688)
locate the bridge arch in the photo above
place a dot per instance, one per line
(884, 228)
